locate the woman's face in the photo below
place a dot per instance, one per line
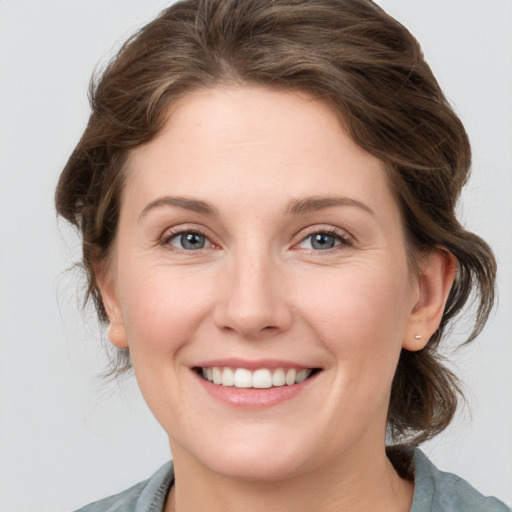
(259, 245)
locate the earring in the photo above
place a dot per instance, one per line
(417, 337)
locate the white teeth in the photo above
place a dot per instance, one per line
(278, 377)
(243, 378)
(290, 377)
(302, 375)
(228, 377)
(261, 378)
(217, 375)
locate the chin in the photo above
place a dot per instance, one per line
(262, 467)
(259, 457)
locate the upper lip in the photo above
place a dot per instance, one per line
(252, 364)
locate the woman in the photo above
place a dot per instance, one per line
(266, 194)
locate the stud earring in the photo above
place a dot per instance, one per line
(417, 337)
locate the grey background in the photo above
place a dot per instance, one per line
(64, 438)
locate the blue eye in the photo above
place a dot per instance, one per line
(188, 240)
(321, 241)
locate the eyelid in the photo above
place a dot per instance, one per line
(343, 236)
(324, 228)
(181, 229)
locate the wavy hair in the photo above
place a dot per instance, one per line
(357, 59)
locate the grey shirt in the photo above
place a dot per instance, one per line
(435, 491)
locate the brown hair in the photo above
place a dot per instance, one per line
(361, 62)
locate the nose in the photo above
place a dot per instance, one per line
(254, 302)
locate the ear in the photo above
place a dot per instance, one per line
(106, 283)
(434, 282)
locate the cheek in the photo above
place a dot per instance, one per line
(359, 313)
(161, 309)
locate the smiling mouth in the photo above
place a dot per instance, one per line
(262, 378)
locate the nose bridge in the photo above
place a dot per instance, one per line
(254, 299)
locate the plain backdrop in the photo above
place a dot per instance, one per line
(66, 439)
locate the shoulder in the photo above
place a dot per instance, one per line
(437, 491)
(146, 496)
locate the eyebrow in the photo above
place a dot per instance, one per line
(312, 204)
(195, 205)
(296, 207)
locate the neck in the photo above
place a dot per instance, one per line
(365, 482)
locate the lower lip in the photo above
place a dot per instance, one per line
(252, 397)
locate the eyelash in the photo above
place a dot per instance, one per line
(170, 235)
(343, 239)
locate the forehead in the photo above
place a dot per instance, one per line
(254, 141)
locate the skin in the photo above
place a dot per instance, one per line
(258, 289)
